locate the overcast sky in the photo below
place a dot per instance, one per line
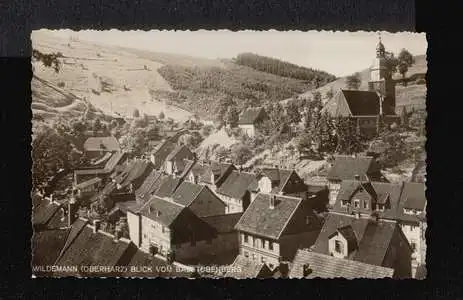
(339, 53)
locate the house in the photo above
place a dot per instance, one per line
(351, 168)
(170, 229)
(282, 182)
(235, 191)
(243, 268)
(159, 155)
(212, 174)
(368, 108)
(168, 186)
(367, 240)
(404, 203)
(151, 184)
(96, 146)
(250, 119)
(175, 160)
(103, 170)
(273, 227)
(199, 198)
(88, 188)
(90, 252)
(411, 215)
(307, 264)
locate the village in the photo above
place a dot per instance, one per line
(174, 209)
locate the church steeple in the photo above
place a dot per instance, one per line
(380, 50)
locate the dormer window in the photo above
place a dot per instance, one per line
(356, 203)
(380, 207)
(344, 203)
(365, 204)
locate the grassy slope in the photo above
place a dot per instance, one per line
(85, 65)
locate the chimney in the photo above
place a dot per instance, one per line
(306, 270)
(357, 177)
(96, 225)
(72, 210)
(273, 200)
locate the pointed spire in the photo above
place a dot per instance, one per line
(380, 50)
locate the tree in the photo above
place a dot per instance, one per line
(161, 115)
(329, 94)
(353, 81)
(232, 116)
(136, 113)
(293, 113)
(396, 149)
(48, 60)
(241, 154)
(97, 125)
(317, 100)
(348, 139)
(325, 134)
(391, 63)
(405, 60)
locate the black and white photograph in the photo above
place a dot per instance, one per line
(228, 154)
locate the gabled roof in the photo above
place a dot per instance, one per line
(186, 193)
(352, 103)
(89, 248)
(161, 152)
(179, 153)
(109, 166)
(326, 266)
(346, 167)
(373, 237)
(219, 169)
(249, 269)
(251, 115)
(44, 212)
(135, 170)
(223, 223)
(163, 211)
(413, 196)
(107, 143)
(168, 186)
(150, 185)
(262, 220)
(279, 179)
(237, 184)
(349, 234)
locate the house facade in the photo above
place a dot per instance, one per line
(249, 120)
(236, 191)
(282, 182)
(176, 160)
(274, 226)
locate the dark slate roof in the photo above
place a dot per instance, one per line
(348, 233)
(223, 223)
(89, 248)
(44, 212)
(106, 191)
(186, 193)
(168, 186)
(109, 166)
(206, 170)
(251, 115)
(186, 166)
(249, 269)
(136, 169)
(150, 185)
(260, 219)
(362, 103)
(163, 211)
(414, 196)
(179, 153)
(162, 152)
(326, 266)
(159, 267)
(346, 167)
(373, 238)
(279, 178)
(107, 143)
(88, 183)
(237, 184)
(47, 245)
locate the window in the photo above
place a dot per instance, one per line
(413, 245)
(356, 203)
(246, 254)
(344, 203)
(163, 229)
(380, 207)
(270, 245)
(365, 204)
(271, 266)
(245, 238)
(262, 259)
(253, 256)
(338, 247)
(255, 242)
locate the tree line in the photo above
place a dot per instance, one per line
(284, 69)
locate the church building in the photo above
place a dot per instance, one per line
(369, 107)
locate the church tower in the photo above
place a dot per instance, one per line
(381, 80)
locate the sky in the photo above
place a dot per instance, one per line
(339, 53)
